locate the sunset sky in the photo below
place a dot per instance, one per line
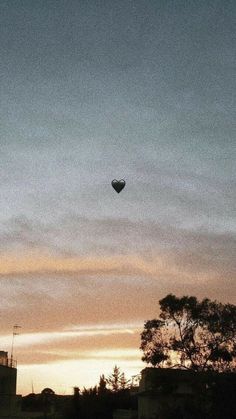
(91, 91)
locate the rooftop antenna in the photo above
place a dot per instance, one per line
(14, 333)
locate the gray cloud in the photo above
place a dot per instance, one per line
(74, 236)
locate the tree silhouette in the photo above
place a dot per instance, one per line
(102, 386)
(114, 379)
(124, 383)
(199, 335)
(117, 380)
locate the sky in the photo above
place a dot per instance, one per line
(93, 91)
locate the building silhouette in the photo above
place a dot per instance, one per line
(9, 401)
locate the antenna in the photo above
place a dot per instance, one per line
(14, 333)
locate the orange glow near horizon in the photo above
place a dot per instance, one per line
(62, 360)
(64, 375)
(80, 316)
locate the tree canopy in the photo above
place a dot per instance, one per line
(199, 335)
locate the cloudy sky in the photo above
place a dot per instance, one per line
(91, 91)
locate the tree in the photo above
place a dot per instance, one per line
(90, 392)
(75, 414)
(114, 379)
(117, 380)
(199, 335)
(124, 383)
(102, 386)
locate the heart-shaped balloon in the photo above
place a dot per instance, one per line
(118, 185)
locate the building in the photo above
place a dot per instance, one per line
(9, 401)
(185, 394)
(12, 406)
